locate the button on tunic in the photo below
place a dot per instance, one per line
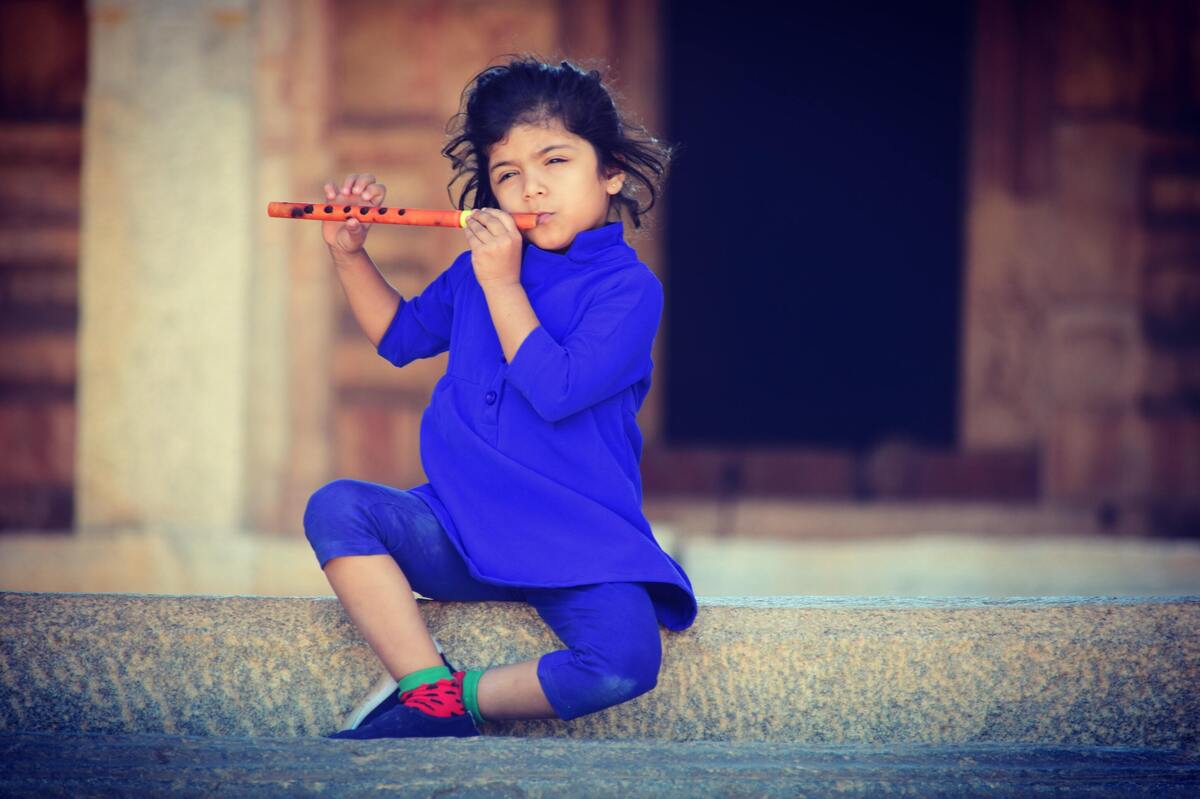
(532, 465)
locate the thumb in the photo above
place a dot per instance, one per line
(354, 234)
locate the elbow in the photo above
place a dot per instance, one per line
(556, 407)
(552, 411)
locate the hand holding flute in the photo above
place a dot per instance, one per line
(344, 228)
(345, 213)
(372, 299)
(349, 236)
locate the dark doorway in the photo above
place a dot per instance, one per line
(815, 218)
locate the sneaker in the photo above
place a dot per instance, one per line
(383, 697)
(407, 721)
(403, 721)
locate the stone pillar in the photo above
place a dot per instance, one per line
(290, 347)
(166, 257)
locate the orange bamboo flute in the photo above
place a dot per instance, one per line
(328, 212)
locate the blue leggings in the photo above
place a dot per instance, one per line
(614, 651)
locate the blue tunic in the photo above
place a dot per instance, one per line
(533, 465)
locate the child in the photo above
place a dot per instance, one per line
(530, 440)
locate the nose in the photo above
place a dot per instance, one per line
(533, 187)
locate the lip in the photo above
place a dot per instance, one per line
(543, 217)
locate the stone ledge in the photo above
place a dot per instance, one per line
(46, 765)
(1086, 671)
(238, 562)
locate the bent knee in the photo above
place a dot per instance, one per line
(329, 506)
(631, 672)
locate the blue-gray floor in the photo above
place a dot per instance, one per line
(77, 765)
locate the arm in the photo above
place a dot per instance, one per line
(608, 351)
(372, 299)
(512, 315)
(401, 330)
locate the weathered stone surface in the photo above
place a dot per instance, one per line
(945, 564)
(917, 564)
(788, 518)
(165, 289)
(1067, 670)
(1097, 357)
(1097, 455)
(74, 765)
(920, 552)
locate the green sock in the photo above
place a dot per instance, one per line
(423, 677)
(471, 694)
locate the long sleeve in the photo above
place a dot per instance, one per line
(607, 351)
(421, 326)
(542, 438)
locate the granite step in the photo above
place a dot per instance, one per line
(809, 671)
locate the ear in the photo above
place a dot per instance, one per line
(615, 182)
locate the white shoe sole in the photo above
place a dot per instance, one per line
(384, 687)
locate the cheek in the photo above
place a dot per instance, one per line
(509, 188)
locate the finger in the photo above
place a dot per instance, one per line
(489, 221)
(330, 192)
(481, 231)
(510, 224)
(362, 182)
(374, 193)
(348, 183)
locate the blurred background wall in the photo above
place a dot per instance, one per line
(176, 368)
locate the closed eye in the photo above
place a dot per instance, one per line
(506, 174)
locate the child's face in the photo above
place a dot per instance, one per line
(563, 181)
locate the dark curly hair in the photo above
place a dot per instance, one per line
(528, 90)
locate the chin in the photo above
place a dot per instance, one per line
(552, 243)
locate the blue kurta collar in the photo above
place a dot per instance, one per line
(589, 246)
